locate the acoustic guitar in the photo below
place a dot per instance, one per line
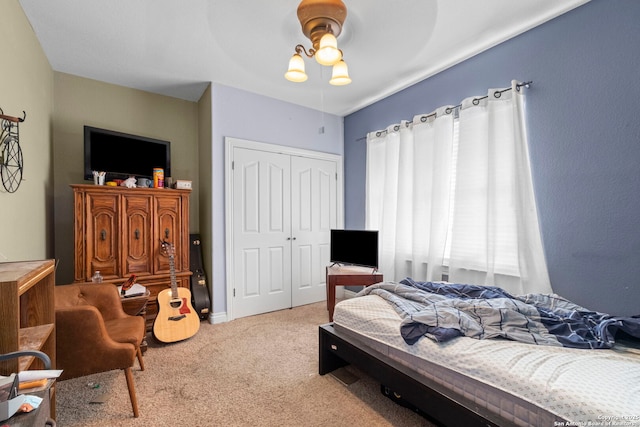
(176, 319)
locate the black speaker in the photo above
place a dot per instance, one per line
(199, 289)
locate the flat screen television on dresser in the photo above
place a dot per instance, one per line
(354, 247)
(122, 155)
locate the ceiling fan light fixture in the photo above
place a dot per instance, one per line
(328, 52)
(321, 22)
(296, 72)
(340, 74)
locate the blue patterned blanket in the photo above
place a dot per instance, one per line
(442, 311)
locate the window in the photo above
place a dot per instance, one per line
(454, 195)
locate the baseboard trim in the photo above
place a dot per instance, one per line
(222, 316)
(218, 318)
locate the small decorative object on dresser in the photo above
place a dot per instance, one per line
(127, 285)
(182, 184)
(144, 182)
(130, 182)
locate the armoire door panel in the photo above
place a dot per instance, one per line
(103, 235)
(137, 243)
(167, 230)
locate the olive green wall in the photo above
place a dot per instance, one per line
(79, 102)
(26, 84)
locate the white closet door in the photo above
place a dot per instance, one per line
(314, 212)
(261, 232)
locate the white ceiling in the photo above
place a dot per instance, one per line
(176, 48)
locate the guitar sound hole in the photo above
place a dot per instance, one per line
(175, 303)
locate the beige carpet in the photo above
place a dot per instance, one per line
(255, 371)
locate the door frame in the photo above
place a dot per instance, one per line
(232, 143)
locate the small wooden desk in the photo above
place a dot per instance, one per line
(348, 276)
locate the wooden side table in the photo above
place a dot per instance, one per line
(137, 306)
(348, 276)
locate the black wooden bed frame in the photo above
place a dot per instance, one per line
(335, 351)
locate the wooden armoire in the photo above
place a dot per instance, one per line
(119, 231)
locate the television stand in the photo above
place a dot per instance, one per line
(373, 269)
(347, 276)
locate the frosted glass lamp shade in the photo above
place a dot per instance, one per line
(340, 74)
(296, 73)
(328, 52)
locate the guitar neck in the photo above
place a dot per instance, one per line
(172, 270)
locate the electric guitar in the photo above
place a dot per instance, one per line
(176, 319)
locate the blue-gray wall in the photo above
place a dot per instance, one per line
(584, 135)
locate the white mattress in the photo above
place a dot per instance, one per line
(601, 387)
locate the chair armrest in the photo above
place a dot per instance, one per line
(81, 323)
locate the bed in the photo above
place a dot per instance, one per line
(497, 381)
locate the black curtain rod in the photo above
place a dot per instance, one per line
(449, 110)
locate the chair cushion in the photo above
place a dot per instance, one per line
(129, 329)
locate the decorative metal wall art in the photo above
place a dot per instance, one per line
(11, 162)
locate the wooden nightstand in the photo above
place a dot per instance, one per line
(348, 276)
(137, 306)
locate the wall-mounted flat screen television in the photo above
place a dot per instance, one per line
(354, 247)
(121, 155)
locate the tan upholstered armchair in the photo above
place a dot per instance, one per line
(94, 334)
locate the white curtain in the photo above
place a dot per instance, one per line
(408, 177)
(488, 233)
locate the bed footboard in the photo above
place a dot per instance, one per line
(336, 351)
